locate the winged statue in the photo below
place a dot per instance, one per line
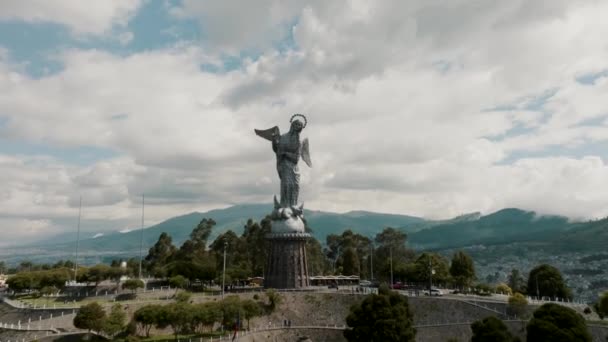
(288, 149)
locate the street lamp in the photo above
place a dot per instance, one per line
(336, 258)
(371, 255)
(431, 272)
(224, 272)
(391, 252)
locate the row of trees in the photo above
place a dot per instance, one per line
(543, 281)
(92, 317)
(550, 322)
(29, 266)
(386, 317)
(348, 253)
(57, 277)
(182, 316)
(187, 318)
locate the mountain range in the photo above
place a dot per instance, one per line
(502, 227)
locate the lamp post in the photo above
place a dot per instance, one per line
(336, 258)
(224, 272)
(371, 255)
(141, 238)
(431, 271)
(391, 253)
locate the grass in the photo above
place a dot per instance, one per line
(60, 302)
(159, 338)
(39, 302)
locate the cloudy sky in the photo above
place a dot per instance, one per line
(429, 108)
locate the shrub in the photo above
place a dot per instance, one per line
(491, 329)
(553, 322)
(381, 317)
(517, 305)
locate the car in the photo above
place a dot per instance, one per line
(397, 286)
(365, 283)
(434, 292)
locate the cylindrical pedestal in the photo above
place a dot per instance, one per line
(286, 266)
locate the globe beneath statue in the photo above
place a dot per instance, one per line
(287, 221)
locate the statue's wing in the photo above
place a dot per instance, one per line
(268, 134)
(306, 153)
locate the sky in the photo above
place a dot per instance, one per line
(421, 107)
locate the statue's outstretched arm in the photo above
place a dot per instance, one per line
(269, 134)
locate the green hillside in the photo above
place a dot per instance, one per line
(589, 236)
(504, 226)
(234, 218)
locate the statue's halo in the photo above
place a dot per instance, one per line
(299, 115)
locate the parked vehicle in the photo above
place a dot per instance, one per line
(365, 283)
(434, 292)
(397, 286)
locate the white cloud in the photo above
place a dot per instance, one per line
(403, 101)
(235, 25)
(125, 38)
(18, 230)
(82, 17)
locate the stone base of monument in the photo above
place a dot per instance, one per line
(287, 266)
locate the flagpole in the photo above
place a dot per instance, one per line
(77, 240)
(141, 240)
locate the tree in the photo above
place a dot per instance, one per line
(21, 281)
(517, 305)
(381, 317)
(430, 265)
(159, 254)
(254, 235)
(504, 289)
(231, 311)
(602, 305)
(206, 315)
(116, 321)
(201, 233)
(90, 317)
(274, 299)
(237, 257)
(98, 273)
(350, 262)
(48, 290)
(26, 265)
(546, 281)
(116, 273)
(179, 317)
(133, 284)
(353, 251)
(491, 329)
(557, 323)
(462, 270)
(2, 267)
(251, 309)
(391, 242)
(54, 278)
(317, 261)
(147, 316)
(516, 281)
(178, 281)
